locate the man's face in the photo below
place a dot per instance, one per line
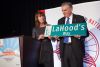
(67, 10)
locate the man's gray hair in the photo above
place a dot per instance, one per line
(67, 3)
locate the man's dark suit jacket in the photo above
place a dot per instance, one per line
(77, 44)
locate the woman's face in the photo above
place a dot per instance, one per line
(41, 19)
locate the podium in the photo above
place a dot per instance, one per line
(27, 51)
(11, 52)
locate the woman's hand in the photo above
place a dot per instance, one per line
(41, 37)
(56, 37)
(49, 37)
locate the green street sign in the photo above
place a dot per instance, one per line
(66, 30)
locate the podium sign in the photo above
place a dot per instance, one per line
(10, 52)
(66, 30)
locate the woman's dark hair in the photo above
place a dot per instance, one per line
(37, 23)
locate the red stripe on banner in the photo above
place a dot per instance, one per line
(43, 11)
(57, 51)
(88, 59)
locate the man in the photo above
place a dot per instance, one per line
(73, 47)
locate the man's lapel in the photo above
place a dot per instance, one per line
(63, 20)
(74, 19)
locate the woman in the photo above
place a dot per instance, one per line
(40, 24)
(38, 34)
(47, 48)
